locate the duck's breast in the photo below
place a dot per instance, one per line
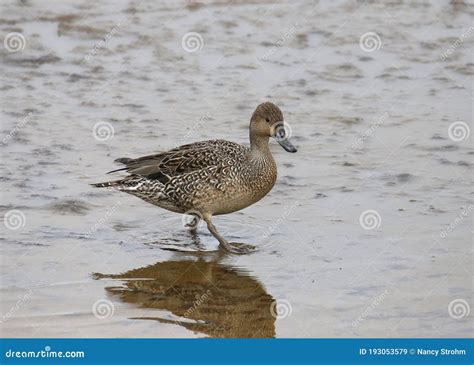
(245, 187)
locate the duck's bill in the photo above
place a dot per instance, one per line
(287, 145)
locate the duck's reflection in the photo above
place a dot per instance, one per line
(206, 296)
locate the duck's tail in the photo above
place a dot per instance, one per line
(129, 183)
(108, 184)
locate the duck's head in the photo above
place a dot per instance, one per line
(267, 121)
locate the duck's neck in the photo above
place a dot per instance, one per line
(262, 167)
(259, 144)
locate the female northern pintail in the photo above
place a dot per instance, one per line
(211, 177)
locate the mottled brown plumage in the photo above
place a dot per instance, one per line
(211, 177)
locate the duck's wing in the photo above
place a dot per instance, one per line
(183, 159)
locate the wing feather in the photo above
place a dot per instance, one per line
(181, 160)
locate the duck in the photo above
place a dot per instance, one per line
(209, 178)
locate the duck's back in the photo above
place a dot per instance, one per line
(185, 159)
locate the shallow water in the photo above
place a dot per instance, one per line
(372, 132)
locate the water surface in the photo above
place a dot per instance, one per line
(372, 132)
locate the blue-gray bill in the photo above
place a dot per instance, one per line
(287, 145)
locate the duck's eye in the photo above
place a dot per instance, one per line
(268, 120)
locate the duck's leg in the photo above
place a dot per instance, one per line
(234, 248)
(222, 241)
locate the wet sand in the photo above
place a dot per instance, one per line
(372, 127)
